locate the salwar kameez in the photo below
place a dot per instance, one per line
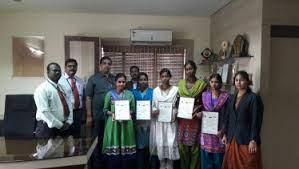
(163, 139)
(119, 144)
(142, 131)
(189, 130)
(212, 148)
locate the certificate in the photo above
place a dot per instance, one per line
(186, 105)
(122, 110)
(209, 123)
(143, 110)
(165, 111)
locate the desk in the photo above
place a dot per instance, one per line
(48, 153)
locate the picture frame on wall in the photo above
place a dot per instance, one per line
(28, 56)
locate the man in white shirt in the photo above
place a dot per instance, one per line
(74, 89)
(54, 111)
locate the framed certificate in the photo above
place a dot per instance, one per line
(209, 123)
(165, 112)
(143, 110)
(186, 105)
(122, 110)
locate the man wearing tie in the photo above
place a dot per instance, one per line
(54, 111)
(74, 89)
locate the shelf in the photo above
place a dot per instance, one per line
(226, 60)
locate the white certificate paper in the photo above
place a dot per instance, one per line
(209, 123)
(122, 110)
(143, 110)
(186, 105)
(165, 112)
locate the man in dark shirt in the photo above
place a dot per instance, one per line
(97, 87)
(133, 83)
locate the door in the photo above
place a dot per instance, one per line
(86, 51)
(280, 137)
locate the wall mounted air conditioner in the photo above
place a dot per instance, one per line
(150, 37)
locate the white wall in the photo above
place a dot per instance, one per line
(240, 17)
(55, 26)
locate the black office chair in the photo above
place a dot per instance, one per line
(19, 116)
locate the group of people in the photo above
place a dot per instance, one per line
(145, 144)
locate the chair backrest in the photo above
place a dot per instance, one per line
(19, 116)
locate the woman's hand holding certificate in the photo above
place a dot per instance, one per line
(143, 110)
(122, 110)
(165, 112)
(186, 108)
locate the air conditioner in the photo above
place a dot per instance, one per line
(150, 37)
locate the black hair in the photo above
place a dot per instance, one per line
(70, 60)
(105, 58)
(134, 67)
(192, 63)
(165, 70)
(119, 75)
(244, 74)
(143, 74)
(52, 63)
(218, 77)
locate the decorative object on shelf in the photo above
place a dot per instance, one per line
(223, 53)
(224, 73)
(234, 70)
(240, 47)
(207, 55)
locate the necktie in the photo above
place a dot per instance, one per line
(66, 110)
(76, 94)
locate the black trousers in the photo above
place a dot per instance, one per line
(43, 131)
(76, 127)
(97, 158)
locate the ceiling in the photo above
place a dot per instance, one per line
(147, 7)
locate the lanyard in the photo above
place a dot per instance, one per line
(57, 88)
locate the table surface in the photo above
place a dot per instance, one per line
(45, 152)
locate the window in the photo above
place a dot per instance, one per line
(149, 59)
